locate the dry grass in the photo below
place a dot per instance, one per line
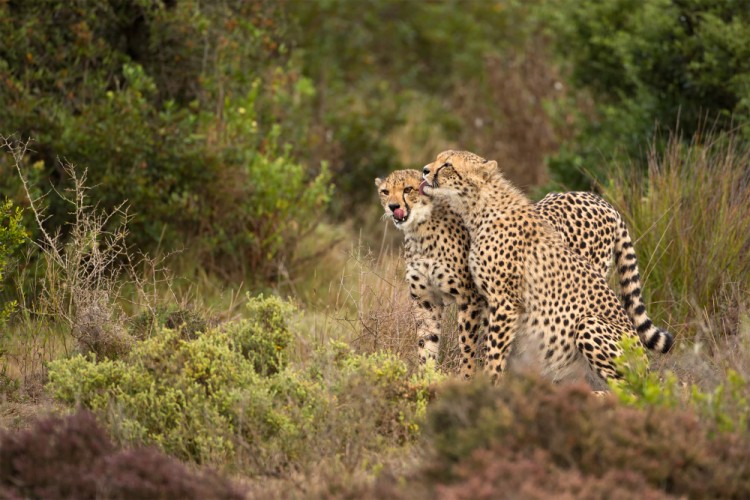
(355, 292)
(507, 117)
(80, 283)
(691, 216)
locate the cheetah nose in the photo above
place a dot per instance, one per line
(393, 206)
(426, 171)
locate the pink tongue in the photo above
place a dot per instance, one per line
(399, 213)
(421, 187)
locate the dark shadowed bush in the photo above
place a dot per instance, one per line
(486, 473)
(572, 430)
(72, 457)
(675, 64)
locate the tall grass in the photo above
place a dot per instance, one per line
(691, 217)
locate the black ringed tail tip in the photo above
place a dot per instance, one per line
(660, 341)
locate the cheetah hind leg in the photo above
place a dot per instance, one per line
(598, 342)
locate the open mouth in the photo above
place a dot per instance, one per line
(400, 216)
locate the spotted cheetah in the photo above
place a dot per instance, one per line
(436, 254)
(597, 231)
(534, 285)
(589, 225)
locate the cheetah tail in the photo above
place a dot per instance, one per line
(651, 336)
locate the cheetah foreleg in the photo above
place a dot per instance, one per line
(471, 316)
(502, 318)
(428, 312)
(429, 317)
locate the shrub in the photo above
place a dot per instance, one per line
(178, 394)
(12, 235)
(671, 64)
(571, 430)
(161, 102)
(264, 338)
(189, 322)
(227, 395)
(535, 475)
(727, 406)
(72, 457)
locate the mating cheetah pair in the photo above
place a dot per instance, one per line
(530, 276)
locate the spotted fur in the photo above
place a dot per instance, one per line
(535, 286)
(436, 253)
(597, 231)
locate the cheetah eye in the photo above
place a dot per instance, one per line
(408, 190)
(447, 164)
(384, 192)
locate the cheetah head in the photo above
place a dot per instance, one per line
(401, 197)
(454, 172)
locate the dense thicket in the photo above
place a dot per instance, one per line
(651, 67)
(223, 122)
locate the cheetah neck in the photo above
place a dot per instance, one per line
(424, 226)
(491, 200)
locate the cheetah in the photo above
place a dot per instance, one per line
(436, 248)
(536, 288)
(589, 225)
(594, 229)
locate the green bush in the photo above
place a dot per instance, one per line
(181, 394)
(727, 406)
(227, 395)
(174, 107)
(679, 65)
(12, 235)
(264, 338)
(188, 322)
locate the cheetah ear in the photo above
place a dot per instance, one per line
(489, 168)
(378, 181)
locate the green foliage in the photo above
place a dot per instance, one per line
(264, 338)
(675, 64)
(727, 406)
(12, 235)
(638, 385)
(228, 395)
(187, 321)
(174, 107)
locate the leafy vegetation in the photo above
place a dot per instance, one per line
(156, 100)
(12, 235)
(226, 394)
(651, 67)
